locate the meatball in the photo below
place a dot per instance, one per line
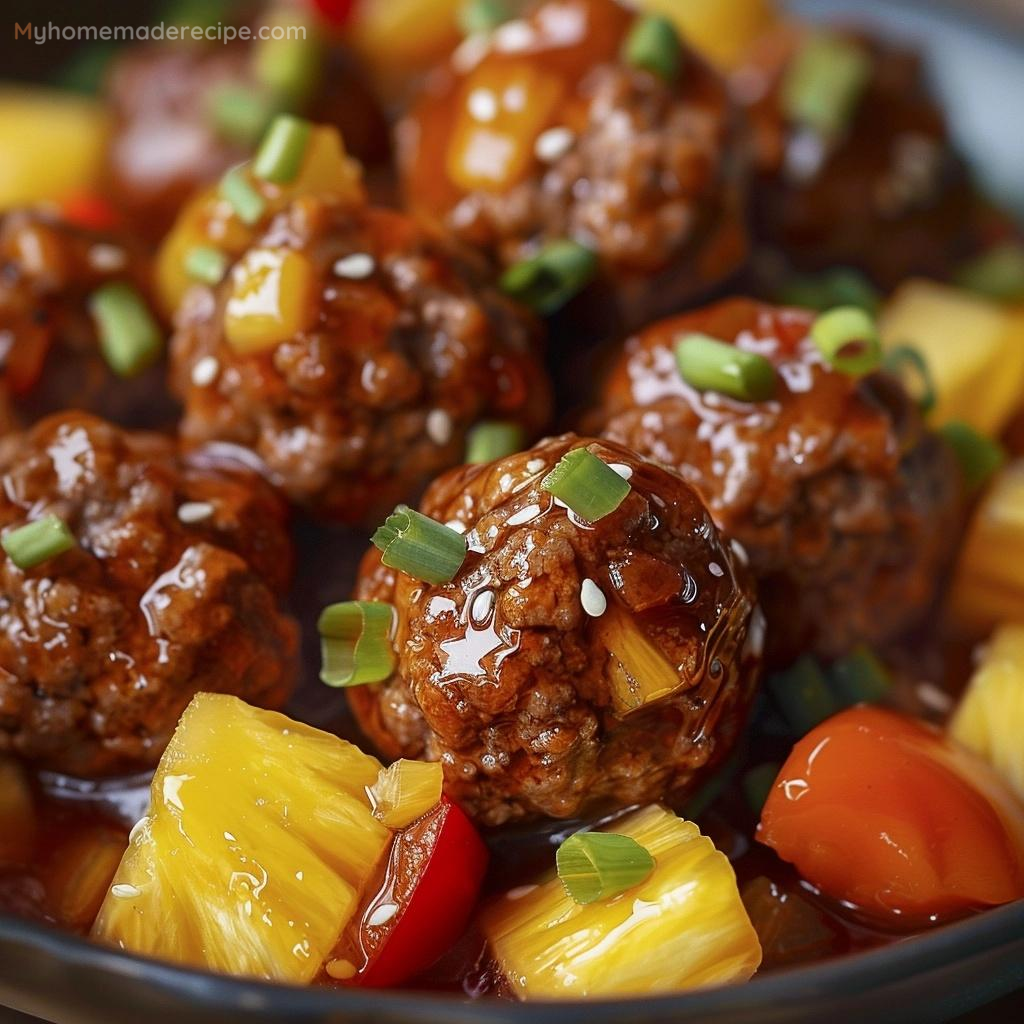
(392, 355)
(172, 588)
(569, 666)
(50, 358)
(545, 132)
(185, 111)
(847, 507)
(887, 193)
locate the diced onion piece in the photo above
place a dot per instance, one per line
(637, 670)
(493, 440)
(547, 281)
(130, 338)
(282, 150)
(848, 339)
(824, 83)
(708, 364)
(683, 927)
(38, 541)
(405, 791)
(586, 484)
(273, 298)
(653, 45)
(979, 456)
(417, 545)
(356, 643)
(596, 866)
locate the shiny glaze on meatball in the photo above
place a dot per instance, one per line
(171, 590)
(847, 506)
(569, 665)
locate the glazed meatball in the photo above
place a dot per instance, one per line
(886, 192)
(392, 354)
(845, 504)
(569, 666)
(545, 131)
(50, 357)
(170, 589)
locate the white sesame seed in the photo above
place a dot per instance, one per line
(593, 600)
(107, 257)
(514, 35)
(124, 891)
(934, 698)
(483, 104)
(622, 469)
(553, 144)
(195, 511)
(534, 465)
(524, 515)
(382, 914)
(470, 52)
(204, 373)
(356, 267)
(481, 606)
(715, 569)
(439, 426)
(457, 525)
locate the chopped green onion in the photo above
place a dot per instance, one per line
(586, 484)
(247, 203)
(758, 783)
(708, 364)
(205, 263)
(997, 274)
(803, 695)
(130, 338)
(841, 286)
(599, 865)
(859, 677)
(824, 83)
(901, 358)
(493, 440)
(979, 456)
(848, 339)
(417, 545)
(289, 68)
(38, 541)
(547, 281)
(355, 643)
(653, 45)
(241, 114)
(477, 17)
(282, 150)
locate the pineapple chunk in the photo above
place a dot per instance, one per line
(974, 350)
(683, 927)
(990, 716)
(257, 844)
(988, 586)
(405, 791)
(17, 815)
(637, 670)
(720, 30)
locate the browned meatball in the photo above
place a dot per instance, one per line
(569, 666)
(170, 590)
(399, 354)
(50, 358)
(888, 195)
(845, 504)
(546, 132)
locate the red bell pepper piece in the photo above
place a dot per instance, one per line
(92, 211)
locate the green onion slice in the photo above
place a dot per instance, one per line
(653, 45)
(859, 677)
(477, 17)
(492, 440)
(247, 203)
(824, 84)
(241, 114)
(841, 286)
(708, 364)
(599, 865)
(289, 68)
(758, 783)
(282, 150)
(907, 363)
(205, 263)
(802, 695)
(38, 541)
(417, 545)
(129, 336)
(355, 643)
(997, 274)
(586, 484)
(979, 456)
(847, 337)
(547, 281)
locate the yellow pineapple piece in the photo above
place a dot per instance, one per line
(405, 791)
(637, 670)
(17, 815)
(720, 30)
(974, 349)
(684, 926)
(990, 716)
(78, 882)
(257, 844)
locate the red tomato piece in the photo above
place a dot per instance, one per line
(892, 817)
(337, 12)
(88, 210)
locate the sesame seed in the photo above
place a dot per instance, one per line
(535, 465)
(107, 257)
(124, 891)
(204, 373)
(622, 469)
(195, 511)
(553, 144)
(593, 600)
(483, 104)
(457, 525)
(470, 52)
(514, 35)
(356, 267)
(382, 914)
(715, 569)
(439, 426)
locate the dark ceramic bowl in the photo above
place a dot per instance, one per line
(978, 66)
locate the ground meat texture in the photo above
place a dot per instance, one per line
(404, 354)
(50, 358)
(845, 504)
(171, 590)
(545, 132)
(569, 666)
(891, 196)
